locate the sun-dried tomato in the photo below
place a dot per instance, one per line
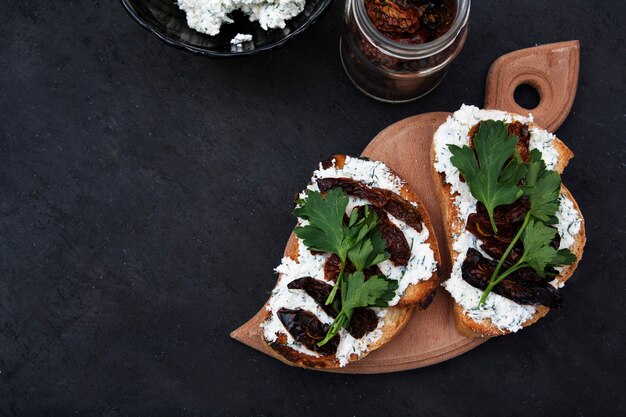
(523, 286)
(411, 21)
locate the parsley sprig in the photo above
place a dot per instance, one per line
(356, 292)
(538, 254)
(492, 169)
(543, 189)
(358, 241)
(493, 172)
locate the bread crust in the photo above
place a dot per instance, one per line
(465, 325)
(417, 295)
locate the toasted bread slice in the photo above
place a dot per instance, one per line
(561, 154)
(418, 294)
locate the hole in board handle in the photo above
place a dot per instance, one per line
(527, 96)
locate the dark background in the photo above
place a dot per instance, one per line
(145, 198)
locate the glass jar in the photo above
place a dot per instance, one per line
(397, 72)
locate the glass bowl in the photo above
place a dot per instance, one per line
(169, 23)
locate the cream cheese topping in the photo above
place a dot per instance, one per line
(239, 39)
(348, 345)
(208, 16)
(503, 313)
(569, 222)
(421, 265)
(371, 173)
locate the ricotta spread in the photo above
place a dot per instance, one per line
(421, 265)
(207, 16)
(569, 222)
(503, 313)
(240, 39)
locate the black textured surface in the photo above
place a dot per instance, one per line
(145, 198)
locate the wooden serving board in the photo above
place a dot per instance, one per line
(430, 336)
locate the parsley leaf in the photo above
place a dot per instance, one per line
(369, 250)
(325, 231)
(356, 292)
(538, 253)
(375, 292)
(358, 241)
(563, 257)
(490, 181)
(543, 188)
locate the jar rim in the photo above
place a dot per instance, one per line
(410, 51)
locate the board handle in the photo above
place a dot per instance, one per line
(551, 69)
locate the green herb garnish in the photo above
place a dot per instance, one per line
(325, 231)
(356, 292)
(538, 254)
(371, 250)
(543, 189)
(359, 240)
(492, 169)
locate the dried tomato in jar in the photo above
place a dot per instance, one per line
(411, 21)
(399, 50)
